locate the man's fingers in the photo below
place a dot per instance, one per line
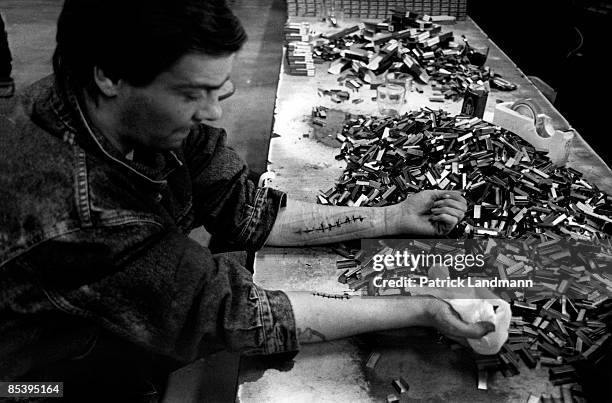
(459, 205)
(448, 210)
(443, 223)
(448, 194)
(445, 219)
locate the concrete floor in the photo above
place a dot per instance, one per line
(248, 113)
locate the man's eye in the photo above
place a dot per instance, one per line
(193, 97)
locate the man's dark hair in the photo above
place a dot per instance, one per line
(135, 40)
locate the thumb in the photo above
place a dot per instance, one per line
(484, 328)
(473, 330)
(458, 327)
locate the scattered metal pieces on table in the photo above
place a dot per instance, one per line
(336, 95)
(516, 189)
(532, 219)
(407, 43)
(482, 379)
(392, 398)
(502, 84)
(400, 385)
(373, 360)
(299, 49)
(325, 123)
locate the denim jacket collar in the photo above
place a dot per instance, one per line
(61, 112)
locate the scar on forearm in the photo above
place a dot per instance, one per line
(309, 334)
(328, 226)
(333, 296)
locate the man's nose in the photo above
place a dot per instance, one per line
(209, 109)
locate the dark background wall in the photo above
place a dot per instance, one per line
(567, 44)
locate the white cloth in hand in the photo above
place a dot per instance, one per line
(479, 310)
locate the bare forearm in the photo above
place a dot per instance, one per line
(301, 223)
(319, 318)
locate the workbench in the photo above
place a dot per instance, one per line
(336, 371)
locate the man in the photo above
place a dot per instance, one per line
(105, 169)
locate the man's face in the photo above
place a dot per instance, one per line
(161, 114)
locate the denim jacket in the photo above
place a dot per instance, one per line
(91, 241)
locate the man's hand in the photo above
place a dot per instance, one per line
(447, 320)
(431, 212)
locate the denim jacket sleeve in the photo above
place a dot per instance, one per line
(226, 202)
(166, 293)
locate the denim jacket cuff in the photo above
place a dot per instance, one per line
(278, 323)
(266, 205)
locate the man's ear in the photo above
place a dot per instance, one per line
(105, 84)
